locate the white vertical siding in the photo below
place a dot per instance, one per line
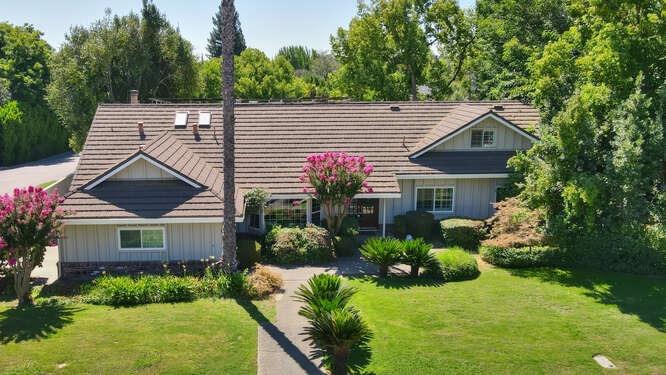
(99, 243)
(506, 139)
(473, 197)
(142, 170)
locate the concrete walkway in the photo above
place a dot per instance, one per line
(282, 349)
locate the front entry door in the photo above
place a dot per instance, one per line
(366, 211)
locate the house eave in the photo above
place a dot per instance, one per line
(139, 221)
(444, 176)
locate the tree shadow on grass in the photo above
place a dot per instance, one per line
(642, 296)
(399, 282)
(36, 322)
(276, 334)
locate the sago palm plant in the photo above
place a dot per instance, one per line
(323, 293)
(417, 254)
(383, 252)
(336, 334)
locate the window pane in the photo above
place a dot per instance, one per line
(316, 212)
(254, 220)
(286, 213)
(477, 138)
(130, 239)
(488, 138)
(424, 199)
(444, 199)
(152, 238)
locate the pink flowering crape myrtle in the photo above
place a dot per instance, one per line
(30, 220)
(335, 178)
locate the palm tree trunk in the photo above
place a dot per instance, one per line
(229, 230)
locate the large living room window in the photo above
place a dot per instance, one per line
(435, 199)
(141, 238)
(483, 138)
(286, 213)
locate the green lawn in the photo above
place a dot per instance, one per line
(516, 322)
(203, 337)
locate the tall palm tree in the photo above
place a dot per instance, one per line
(228, 97)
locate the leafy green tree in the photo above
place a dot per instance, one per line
(299, 57)
(114, 55)
(598, 171)
(215, 38)
(510, 33)
(28, 130)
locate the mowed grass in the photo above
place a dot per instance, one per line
(515, 322)
(202, 337)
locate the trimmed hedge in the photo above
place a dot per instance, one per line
(466, 233)
(419, 224)
(456, 264)
(520, 257)
(299, 245)
(248, 251)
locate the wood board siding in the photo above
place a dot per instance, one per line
(142, 170)
(99, 243)
(506, 139)
(473, 197)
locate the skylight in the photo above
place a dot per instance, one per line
(181, 119)
(204, 118)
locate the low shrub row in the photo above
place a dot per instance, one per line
(309, 245)
(145, 289)
(418, 224)
(456, 264)
(520, 257)
(466, 233)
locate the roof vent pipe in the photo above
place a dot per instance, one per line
(139, 125)
(195, 128)
(134, 96)
(498, 107)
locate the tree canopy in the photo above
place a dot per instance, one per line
(102, 62)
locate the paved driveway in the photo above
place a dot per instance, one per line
(37, 172)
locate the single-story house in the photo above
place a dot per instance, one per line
(148, 186)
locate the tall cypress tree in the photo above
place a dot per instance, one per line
(215, 38)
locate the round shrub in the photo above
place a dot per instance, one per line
(300, 245)
(514, 225)
(465, 233)
(264, 282)
(456, 264)
(519, 257)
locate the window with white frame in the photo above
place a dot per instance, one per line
(141, 238)
(483, 138)
(286, 212)
(435, 199)
(254, 218)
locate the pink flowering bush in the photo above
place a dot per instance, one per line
(334, 178)
(30, 220)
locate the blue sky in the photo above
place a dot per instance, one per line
(267, 24)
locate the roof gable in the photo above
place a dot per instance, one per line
(457, 121)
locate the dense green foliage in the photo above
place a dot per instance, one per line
(598, 171)
(456, 264)
(520, 257)
(466, 233)
(215, 39)
(382, 251)
(28, 129)
(248, 251)
(298, 245)
(300, 57)
(418, 224)
(102, 62)
(257, 78)
(346, 242)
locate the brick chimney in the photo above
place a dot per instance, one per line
(134, 96)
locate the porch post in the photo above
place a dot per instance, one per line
(383, 217)
(308, 214)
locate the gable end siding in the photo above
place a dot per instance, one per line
(506, 139)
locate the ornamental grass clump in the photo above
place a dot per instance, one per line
(416, 253)
(335, 328)
(30, 220)
(334, 178)
(382, 251)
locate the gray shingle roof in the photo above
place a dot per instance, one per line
(272, 140)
